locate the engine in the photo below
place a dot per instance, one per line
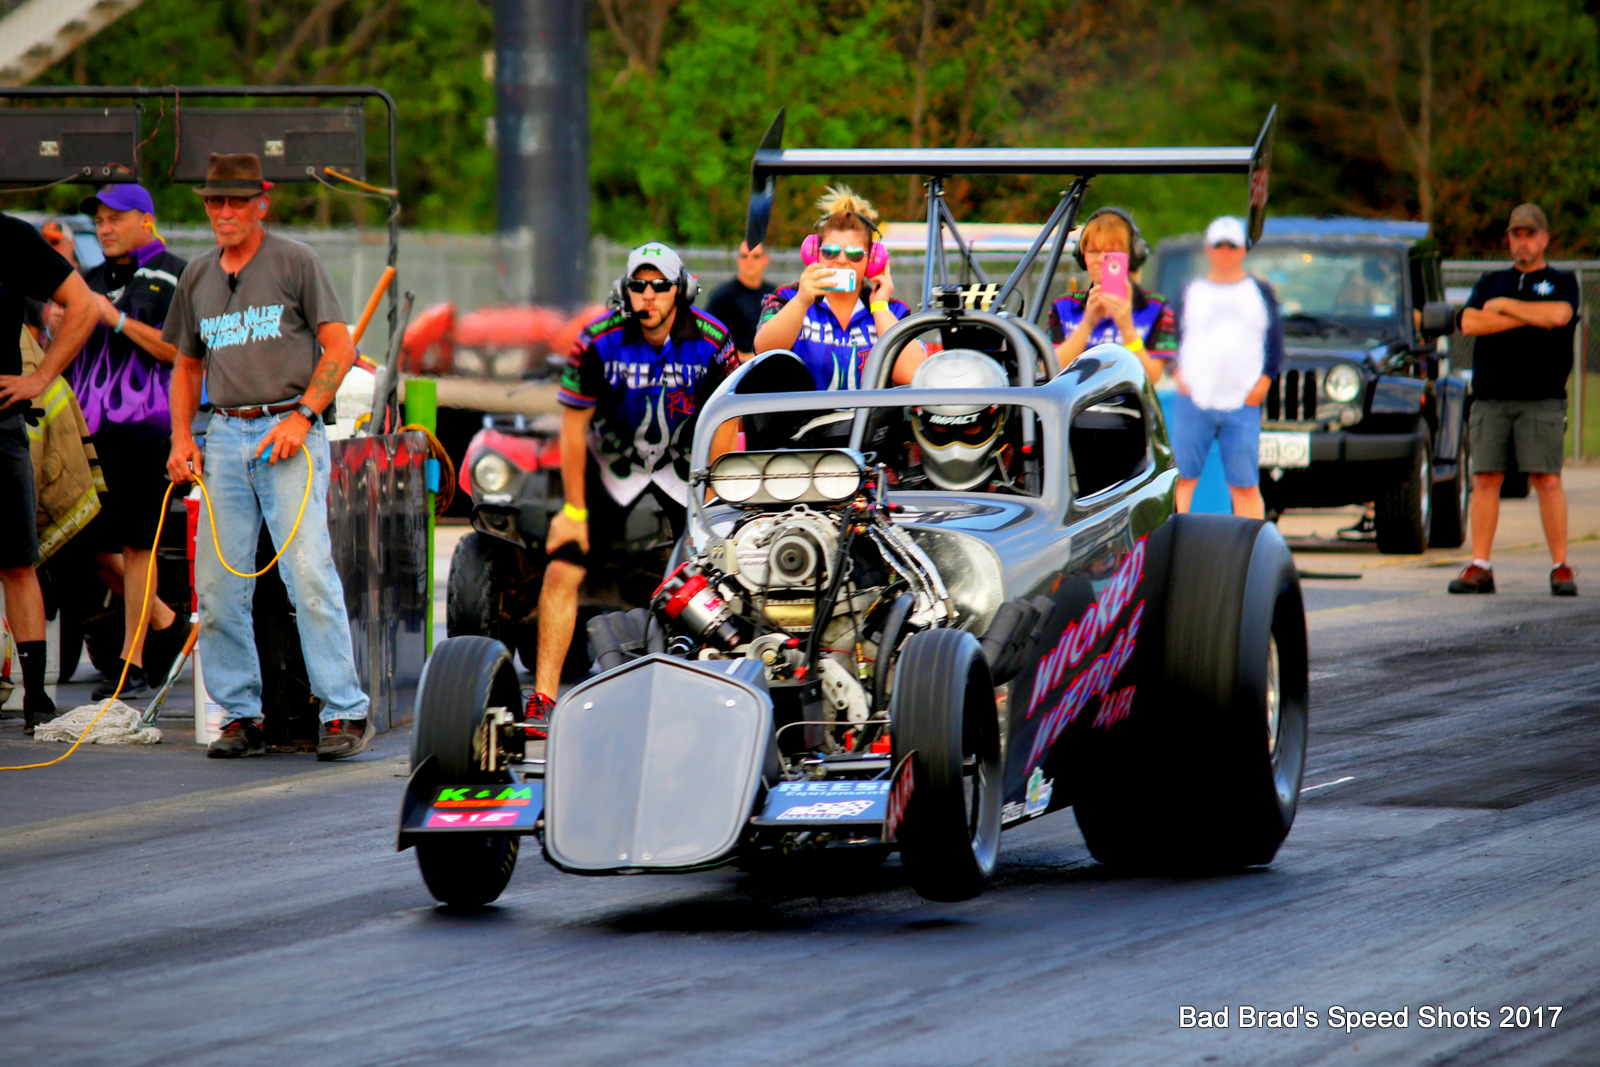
(814, 581)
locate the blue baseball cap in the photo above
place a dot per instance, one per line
(124, 196)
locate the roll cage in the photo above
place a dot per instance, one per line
(938, 164)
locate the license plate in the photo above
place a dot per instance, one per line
(1285, 449)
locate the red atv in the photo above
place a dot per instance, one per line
(513, 473)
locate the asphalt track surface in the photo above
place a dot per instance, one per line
(162, 908)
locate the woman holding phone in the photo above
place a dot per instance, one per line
(1114, 309)
(844, 300)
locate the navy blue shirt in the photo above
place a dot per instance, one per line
(1529, 362)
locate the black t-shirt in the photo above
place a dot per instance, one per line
(29, 267)
(739, 309)
(1529, 362)
(121, 387)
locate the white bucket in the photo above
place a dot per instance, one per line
(207, 712)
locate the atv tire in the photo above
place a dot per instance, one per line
(943, 715)
(1205, 774)
(472, 600)
(463, 678)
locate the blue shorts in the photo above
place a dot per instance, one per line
(1237, 433)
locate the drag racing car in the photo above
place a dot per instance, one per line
(908, 618)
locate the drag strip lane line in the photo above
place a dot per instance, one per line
(1324, 785)
(123, 815)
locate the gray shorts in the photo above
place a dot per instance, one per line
(1533, 430)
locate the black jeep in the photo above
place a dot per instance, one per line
(1366, 409)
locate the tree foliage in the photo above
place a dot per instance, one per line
(1451, 110)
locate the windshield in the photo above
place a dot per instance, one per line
(1323, 290)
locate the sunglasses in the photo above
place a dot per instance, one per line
(238, 203)
(1224, 244)
(853, 253)
(655, 285)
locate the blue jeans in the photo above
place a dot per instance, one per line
(1237, 433)
(247, 490)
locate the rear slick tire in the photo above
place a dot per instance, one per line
(1207, 776)
(463, 678)
(943, 714)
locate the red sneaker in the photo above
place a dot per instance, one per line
(1473, 580)
(536, 716)
(1563, 581)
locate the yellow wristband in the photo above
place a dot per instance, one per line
(877, 306)
(1136, 346)
(575, 514)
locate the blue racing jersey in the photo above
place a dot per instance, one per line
(645, 397)
(834, 354)
(1152, 317)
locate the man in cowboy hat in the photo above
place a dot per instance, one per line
(256, 319)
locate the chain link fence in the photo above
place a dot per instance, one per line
(1583, 392)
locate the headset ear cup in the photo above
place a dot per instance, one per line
(1141, 251)
(809, 253)
(877, 259)
(688, 287)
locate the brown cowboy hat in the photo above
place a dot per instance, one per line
(238, 174)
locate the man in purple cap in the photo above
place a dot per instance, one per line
(122, 379)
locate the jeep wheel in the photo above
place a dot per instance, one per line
(1404, 512)
(1452, 501)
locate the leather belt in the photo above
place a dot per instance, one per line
(259, 412)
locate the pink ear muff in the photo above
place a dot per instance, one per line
(877, 259)
(808, 250)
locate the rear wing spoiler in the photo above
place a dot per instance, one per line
(937, 164)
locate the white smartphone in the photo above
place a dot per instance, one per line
(840, 280)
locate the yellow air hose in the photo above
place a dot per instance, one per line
(149, 578)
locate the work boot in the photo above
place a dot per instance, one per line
(1563, 580)
(1474, 579)
(339, 738)
(136, 687)
(240, 737)
(37, 709)
(536, 717)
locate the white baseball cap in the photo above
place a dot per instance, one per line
(657, 255)
(1225, 229)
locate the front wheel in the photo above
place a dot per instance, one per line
(464, 678)
(1404, 512)
(943, 715)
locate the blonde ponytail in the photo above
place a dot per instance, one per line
(842, 208)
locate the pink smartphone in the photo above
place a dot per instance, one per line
(1114, 275)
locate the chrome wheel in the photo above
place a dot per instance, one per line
(1274, 697)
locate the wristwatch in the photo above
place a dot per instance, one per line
(306, 410)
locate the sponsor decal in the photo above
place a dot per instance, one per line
(904, 785)
(834, 789)
(1040, 789)
(1087, 630)
(1095, 681)
(1114, 707)
(1011, 811)
(445, 820)
(835, 809)
(467, 796)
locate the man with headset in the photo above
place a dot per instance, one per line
(634, 381)
(1142, 322)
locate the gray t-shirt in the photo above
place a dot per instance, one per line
(259, 337)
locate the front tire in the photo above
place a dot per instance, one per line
(464, 677)
(943, 714)
(1205, 775)
(1404, 512)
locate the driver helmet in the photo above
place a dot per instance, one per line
(959, 441)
